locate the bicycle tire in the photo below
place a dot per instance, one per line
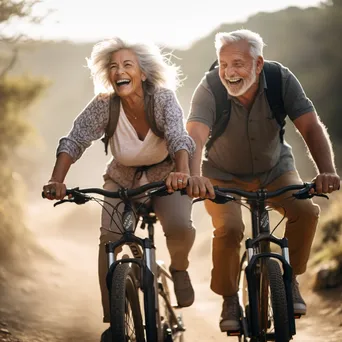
(124, 294)
(278, 301)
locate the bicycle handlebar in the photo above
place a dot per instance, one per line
(223, 195)
(264, 194)
(79, 195)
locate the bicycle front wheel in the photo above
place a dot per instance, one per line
(278, 323)
(126, 320)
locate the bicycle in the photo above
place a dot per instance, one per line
(265, 296)
(141, 271)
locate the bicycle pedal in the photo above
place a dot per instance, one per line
(179, 328)
(233, 333)
(176, 306)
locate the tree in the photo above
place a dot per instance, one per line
(16, 95)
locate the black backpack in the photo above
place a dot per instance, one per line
(223, 104)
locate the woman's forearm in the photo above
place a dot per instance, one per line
(182, 161)
(61, 168)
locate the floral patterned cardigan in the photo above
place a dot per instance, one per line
(91, 123)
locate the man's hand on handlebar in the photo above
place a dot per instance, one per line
(199, 186)
(327, 183)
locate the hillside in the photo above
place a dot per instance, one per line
(313, 59)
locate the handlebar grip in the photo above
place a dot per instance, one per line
(183, 191)
(68, 192)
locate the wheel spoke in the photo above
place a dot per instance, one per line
(129, 323)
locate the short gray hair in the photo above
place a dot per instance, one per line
(254, 40)
(159, 71)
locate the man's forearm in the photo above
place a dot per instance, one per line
(319, 145)
(196, 160)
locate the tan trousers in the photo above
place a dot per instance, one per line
(174, 214)
(302, 217)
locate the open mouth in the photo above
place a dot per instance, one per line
(123, 82)
(234, 81)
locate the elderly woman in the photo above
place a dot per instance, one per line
(149, 143)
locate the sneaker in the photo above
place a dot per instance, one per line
(230, 316)
(183, 289)
(106, 336)
(299, 305)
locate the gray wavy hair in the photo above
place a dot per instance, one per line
(254, 40)
(159, 71)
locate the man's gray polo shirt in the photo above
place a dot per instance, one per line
(250, 146)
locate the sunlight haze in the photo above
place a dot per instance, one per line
(173, 23)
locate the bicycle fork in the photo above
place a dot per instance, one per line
(258, 248)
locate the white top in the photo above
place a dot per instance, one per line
(129, 150)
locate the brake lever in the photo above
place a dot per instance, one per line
(62, 201)
(222, 198)
(77, 198)
(304, 194)
(322, 195)
(160, 192)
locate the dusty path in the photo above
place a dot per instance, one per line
(60, 301)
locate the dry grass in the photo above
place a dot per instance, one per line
(328, 241)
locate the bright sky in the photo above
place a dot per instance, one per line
(176, 23)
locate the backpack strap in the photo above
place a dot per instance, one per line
(222, 104)
(149, 110)
(114, 112)
(214, 65)
(274, 94)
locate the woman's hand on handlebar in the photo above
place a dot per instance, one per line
(54, 190)
(199, 186)
(176, 181)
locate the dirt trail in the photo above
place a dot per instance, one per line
(60, 302)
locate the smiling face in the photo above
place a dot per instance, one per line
(237, 69)
(125, 73)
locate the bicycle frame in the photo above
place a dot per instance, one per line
(144, 252)
(258, 248)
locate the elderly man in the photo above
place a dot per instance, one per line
(240, 106)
